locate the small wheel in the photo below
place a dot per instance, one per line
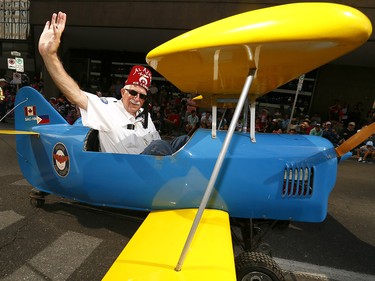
(37, 202)
(256, 266)
(37, 198)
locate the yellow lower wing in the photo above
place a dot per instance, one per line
(154, 250)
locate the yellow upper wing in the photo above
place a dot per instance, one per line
(154, 250)
(281, 42)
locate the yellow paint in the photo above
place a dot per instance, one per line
(280, 42)
(154, 250)
(15, 132)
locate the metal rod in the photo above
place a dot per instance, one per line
(214, 123)
(216, 169)
(252, 118)
(299, 88)
(222, 118)
(245, 115)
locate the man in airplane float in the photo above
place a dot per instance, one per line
(123, 125)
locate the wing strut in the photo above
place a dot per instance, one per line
(214, 118)
(245, 115)
(217, 167)
(299, 88)
(252, 118)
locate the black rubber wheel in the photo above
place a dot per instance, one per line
(37, 197)
(256, 266)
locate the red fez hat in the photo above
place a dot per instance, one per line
(139, 75)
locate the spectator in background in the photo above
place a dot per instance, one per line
(273, 126)
(258, 125)
(190, 105)
(348, 131)
(304, 127)
(284, 122)
(366, 151)
(264, 117)
(53, 102)
(316, 131)
(206, 120)
(293, 124)
(172, 121)
(372, 139)
(334, 111)
(330, 134)
(239, 124)
(222, 123)
(192, 123)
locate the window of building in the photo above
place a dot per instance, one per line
(14, 19)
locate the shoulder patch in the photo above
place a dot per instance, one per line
(104, 100)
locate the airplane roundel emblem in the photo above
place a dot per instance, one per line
(60, 159)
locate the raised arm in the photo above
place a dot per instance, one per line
(49, 43)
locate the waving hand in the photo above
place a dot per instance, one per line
(49, 41)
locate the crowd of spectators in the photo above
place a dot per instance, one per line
(174, 113)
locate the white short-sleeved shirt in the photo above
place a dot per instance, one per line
(114, 123)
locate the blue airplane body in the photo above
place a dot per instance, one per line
(282, 177)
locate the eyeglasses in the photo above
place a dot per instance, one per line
(135, 93)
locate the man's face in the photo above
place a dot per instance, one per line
(132, 103)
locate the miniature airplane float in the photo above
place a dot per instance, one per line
(217, 174)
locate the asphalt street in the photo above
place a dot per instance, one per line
(66, 241)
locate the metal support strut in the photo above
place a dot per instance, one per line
(217, 168)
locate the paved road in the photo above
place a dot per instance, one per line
(62, 241)
(345, 242)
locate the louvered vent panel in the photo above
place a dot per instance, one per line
(298, 182)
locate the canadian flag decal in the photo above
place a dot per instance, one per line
(30, 110)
